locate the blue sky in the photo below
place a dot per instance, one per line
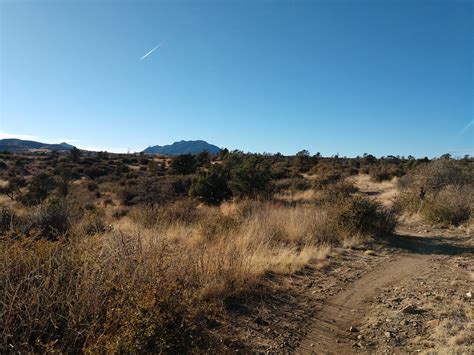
(347, 77)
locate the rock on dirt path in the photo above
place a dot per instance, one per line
(336, 327)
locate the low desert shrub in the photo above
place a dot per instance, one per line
(211, 185)
(336, 191)
(441, 192)
(451, 207)
(9, 220)
(360, 215)
(291, 184)
(382, 172)
(51, 220)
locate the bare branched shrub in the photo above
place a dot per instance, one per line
(452, 206)
(9, 220)
(440, 191)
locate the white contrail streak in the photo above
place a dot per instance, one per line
(467, 127)
(150, 52)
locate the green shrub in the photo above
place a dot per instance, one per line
(210, 186)
(251, 178)
(183, 164)
(39, 189)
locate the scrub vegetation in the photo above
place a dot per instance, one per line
(134, 253)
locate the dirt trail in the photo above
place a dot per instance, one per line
(329, 332)
(426, 267)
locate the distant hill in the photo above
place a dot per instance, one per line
(16, 145)
(183, 147)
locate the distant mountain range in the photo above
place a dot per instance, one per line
(183, 147)
(16, 145)
(177, 148)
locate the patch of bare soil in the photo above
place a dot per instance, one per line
(279, 321)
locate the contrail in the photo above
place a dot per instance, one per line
(467, 127)
(150, 52)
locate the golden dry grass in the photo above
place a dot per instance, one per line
(97, 291)
(385, 191)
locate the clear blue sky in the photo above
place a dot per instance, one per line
(347, 77)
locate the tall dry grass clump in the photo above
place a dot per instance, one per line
(109, 293)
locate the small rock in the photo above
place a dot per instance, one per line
(388, 335)
(411, 309)
(469, 294)
(369, 252)
(353, 329)
(360, 337)
(404, 322)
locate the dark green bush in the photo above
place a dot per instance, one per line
(249, 179)
(183, 164)
(210, 186)
(39, 189)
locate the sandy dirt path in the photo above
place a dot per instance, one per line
(329, 332)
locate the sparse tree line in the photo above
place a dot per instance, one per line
(210, 179)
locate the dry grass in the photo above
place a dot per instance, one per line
(299, 196)
(148, 281)
(385, 191)
(456, 330)
(100, 288)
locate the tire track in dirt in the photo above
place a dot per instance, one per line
(329, 333)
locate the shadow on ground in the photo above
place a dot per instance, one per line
(438, 245)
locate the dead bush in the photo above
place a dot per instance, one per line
(51, 220)
(440, 191)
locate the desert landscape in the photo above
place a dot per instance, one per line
(236, 177)
(235, 252)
